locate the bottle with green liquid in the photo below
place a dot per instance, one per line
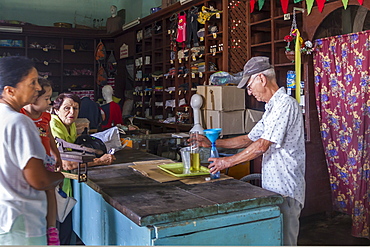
(194, 152)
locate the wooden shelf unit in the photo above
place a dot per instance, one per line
(154, 52)
(65, 56)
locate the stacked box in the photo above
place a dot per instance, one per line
(223, 107)
(251, 119)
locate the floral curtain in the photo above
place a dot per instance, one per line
(342, 87)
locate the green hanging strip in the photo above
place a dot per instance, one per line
(260, 4)
(309, 4)
(345, 3)
(297, 1)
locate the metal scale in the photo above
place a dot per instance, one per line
(77, 153)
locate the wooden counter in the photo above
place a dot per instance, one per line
(119, 206)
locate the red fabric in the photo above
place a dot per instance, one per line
(42, 124)
(284, 5)
(361, 1)
(320, 4)
(181, 28)
(114, 115)
(342, 97)
(252, 4)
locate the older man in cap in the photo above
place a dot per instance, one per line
(279, 137)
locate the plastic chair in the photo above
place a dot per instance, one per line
(254, 178)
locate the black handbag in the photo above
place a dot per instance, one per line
(91, 142)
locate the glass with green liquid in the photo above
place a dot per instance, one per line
(194, 152)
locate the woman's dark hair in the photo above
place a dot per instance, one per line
(43, 83)
(60, 99)
(13, 69)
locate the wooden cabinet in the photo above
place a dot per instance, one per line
(266, 30)
(167, 72)
(64, 56)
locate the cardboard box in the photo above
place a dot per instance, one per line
(251, 119)
(231, 122)
(222, 98)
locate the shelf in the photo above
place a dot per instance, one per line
(261, 44)
(217, 33)
(76, 76)
(264, 21)
(284, 64)
(153, 125)
(12, 47)
(159, 47)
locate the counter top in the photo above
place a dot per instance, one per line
(148, 202)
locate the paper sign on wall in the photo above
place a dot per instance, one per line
(123, 51)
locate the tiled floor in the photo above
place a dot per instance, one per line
(324, 230)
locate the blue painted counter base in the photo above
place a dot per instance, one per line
(119, 206)
(97, 223)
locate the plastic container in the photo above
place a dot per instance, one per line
(185, 157)
(290, 79)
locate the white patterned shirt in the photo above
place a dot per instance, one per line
(283, 164)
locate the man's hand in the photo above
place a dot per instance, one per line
(218, 164)
(202, 141)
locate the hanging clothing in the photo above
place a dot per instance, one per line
(100, 53)
(192, 27)
(341, 66)
(113, 115)
(90, 110)
(181, 27)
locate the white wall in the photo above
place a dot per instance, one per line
(46, 12)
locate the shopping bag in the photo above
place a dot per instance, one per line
(64, 205)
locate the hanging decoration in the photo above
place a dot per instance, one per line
(284, 5)
(252, 3)
(345, 3)
(297, 66)
(261, 3)
(309, 4)
(294, 54)
(320, 5)
(305, 47)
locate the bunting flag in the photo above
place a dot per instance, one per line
(309, 4)
(297, 61)
(320, 4)
(260, 4)
(284, 5)
(252, 3)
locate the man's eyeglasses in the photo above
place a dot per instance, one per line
(250, 84)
